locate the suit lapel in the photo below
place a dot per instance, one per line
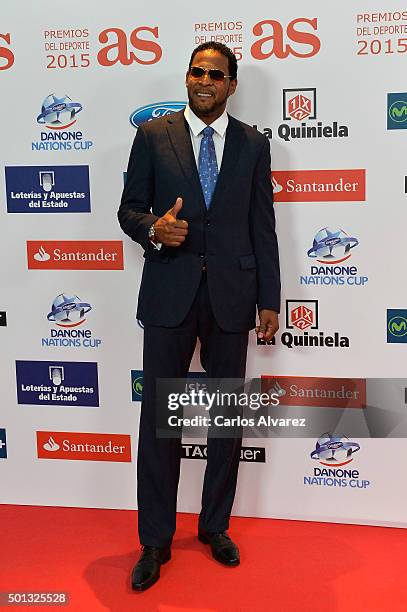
(231, 153)
(178, 132)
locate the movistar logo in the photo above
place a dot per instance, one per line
(136, 385)
(397, 326)
(398, 111)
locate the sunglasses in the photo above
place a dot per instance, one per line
(197, 72)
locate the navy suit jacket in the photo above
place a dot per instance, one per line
(235, 238)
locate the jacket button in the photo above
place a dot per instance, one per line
(207, 223)
(202, 255)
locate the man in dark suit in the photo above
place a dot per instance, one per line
(198, 199)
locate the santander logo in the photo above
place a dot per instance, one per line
(319, 185)
(84, 446)
(41, 255)
(51, 445)
(75, 255)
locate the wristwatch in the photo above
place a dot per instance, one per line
(151, 233)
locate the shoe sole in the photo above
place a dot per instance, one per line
(150, 583)
(205, 540)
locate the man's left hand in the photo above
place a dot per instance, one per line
(268, 324)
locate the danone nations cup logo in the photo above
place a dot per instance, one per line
(58, 113)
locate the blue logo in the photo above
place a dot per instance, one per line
(330, 249)
(332, 246)
(333, 451)
(47, 189)
(333, 454)
(58, 113)
(68, 312)
(57, 383)
(3, 444)
(397, 111)
(153, 111)
(136, 385)
(397, 326)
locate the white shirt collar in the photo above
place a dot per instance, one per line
(197, 125)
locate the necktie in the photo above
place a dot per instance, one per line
(207, 165)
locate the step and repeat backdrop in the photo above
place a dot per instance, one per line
(328, 89)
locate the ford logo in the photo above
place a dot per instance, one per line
(153, 111)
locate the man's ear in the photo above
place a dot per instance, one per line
(232, 87)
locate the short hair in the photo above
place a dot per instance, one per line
(221, 48)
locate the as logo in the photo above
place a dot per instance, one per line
(397, 111)
(397, 326)
(303, 42)
(141, 47)
(6, 55)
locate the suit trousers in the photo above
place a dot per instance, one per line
(167, 354)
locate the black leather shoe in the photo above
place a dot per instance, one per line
(223, 549)
(147, 571)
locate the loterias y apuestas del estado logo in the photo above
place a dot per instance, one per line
(57, 383)
(47, 189)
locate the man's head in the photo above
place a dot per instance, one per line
(209, 88)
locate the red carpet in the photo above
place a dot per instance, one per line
(285, 565)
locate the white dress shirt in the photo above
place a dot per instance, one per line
(196, 126)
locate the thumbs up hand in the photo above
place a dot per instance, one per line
(168, 229)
